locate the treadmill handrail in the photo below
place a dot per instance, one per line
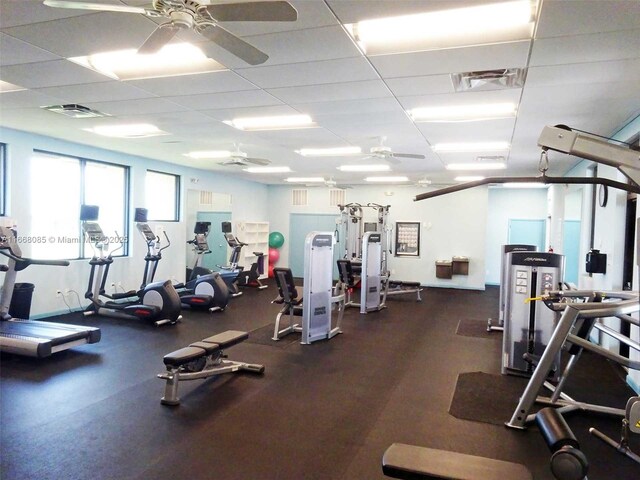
(32, 261)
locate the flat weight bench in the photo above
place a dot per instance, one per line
(202, 359)
(397, 287)
(419, 463)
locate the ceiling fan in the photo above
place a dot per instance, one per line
(386, 153)
(203, 19)
(241, 159)
(331, 183)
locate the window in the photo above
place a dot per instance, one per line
(162, 192)
(3, 179)
(59, 185)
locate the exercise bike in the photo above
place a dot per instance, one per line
(205, 291)
(158, 302)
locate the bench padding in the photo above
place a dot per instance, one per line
(209, 348)
(413, 463)
(398, 283)
(182, 356)
(227, 339)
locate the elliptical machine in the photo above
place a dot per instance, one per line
(205, 291)
(158, 302)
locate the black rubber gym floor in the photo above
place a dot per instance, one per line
(322, 411)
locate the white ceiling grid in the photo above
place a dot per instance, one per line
(583, 70)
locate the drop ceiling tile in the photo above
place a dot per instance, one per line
(168, 120)
(511, 95)
(483, 131)
(454, 60)
(24, 12)
(141, 106)
(332, 92)
(297, 138)
(14, 51)
(579, 73)
(49, 74)
(335, 122)
(561, 18)
(349, 107)
(596, 47)
(309, 45)
(217, 101)
(95, 92)
(312, 73)
(24, 99)
(214, 82)
(266, 111)
(87, 34)
(421, 85)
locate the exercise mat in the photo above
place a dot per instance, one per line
(486, 398)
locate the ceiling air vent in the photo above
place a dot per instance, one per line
(489, 79)
(75, 111)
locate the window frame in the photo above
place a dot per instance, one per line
(3, 179)
(83, 161)
(176, 203)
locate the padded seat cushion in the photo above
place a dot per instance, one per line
(404, 284)
(182, 356)
(227, 339)
(209, 348)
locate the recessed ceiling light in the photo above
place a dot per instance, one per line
(282, 122)
(470, 147)
(329, 152)
(364, 168)
(6, 87)
(463, 113)
(468, 178)
(171, 60)
(304, 179)
(138, 130)
(267, 169)
(386, 179)
(476, 25)
(208, 154)
(476, 166)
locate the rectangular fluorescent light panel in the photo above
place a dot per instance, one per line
(364, 168)
(139, 130)
(267, 169)
(476, 166)
(171, 60)
(304, 179)
(468, 178)
(386, 179)
(458, 27)
(463, 113)
(470, 147)
(329, 152)
(208, 154)
(282, 122)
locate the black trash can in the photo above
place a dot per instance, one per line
(20, 306)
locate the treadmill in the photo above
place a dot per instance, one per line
(28, 337)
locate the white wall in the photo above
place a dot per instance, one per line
(249, 202)
(505, 204)
(451, 225)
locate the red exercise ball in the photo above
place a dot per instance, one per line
(274, 255)
(270, 271)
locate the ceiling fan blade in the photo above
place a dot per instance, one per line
(233, 44)
(158, 38)
(258, 161)
(105, 7)
(253, 12)
(408, 155)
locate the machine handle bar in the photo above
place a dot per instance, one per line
(31, 261)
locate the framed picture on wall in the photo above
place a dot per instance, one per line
(407, 239)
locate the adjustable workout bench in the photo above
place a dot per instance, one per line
(397, 287)
(202, 359)
(419, 463)
(290, 301)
